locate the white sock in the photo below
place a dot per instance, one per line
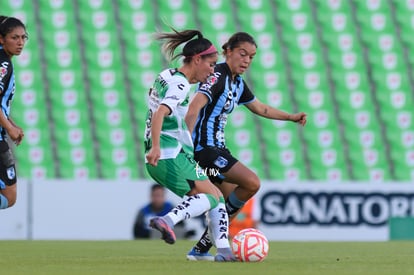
(192, 207)
(218, 222)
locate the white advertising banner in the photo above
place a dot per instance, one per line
(332, 212)
(105, 210)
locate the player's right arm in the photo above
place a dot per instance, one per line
(15, 132)
(199, 101)
(156, 125)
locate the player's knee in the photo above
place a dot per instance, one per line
(213, 200)
(252, 184)
(12, 200)
(11, 195)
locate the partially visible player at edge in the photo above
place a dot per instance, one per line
(207, 117)
(13, 37)
(168, 145)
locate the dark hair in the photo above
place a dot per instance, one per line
(236, 39)
(191, 48)
(7, 24)
(156, 186)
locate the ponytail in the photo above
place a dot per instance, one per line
(200, 45)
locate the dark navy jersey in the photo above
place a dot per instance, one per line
(223, 96)
(7, 86)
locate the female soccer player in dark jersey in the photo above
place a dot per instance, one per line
(207, 117)
(13, 37)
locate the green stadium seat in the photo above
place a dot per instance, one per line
(77, 162)
(176, 13)
(255, 16)
(404, 13)
(346, 60)
(216, 20)
(284, 151)
(241, 139)
(369, 6)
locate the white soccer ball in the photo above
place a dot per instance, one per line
(250, 245)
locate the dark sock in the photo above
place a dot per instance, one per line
(204, 244)
(231, 209)
(233, 204)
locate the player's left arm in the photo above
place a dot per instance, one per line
(264, 110)
(14, 124)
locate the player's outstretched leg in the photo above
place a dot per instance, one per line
(192, 207)
(167, 234)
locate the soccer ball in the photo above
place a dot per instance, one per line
(250, 245)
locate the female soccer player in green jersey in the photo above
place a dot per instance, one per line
(169, 148)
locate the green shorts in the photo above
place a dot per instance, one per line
(178, 175)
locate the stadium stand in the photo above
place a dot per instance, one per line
(352, 91)
(88, 65)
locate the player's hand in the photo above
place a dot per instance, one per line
(298, 118)
(15, 133)
(153, 155)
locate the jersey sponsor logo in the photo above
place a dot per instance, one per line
(11, 173)
(221, 162)
(153, 99)
(163, 83)
(3, 69)
(228, 105)
(220, 136)
(211, 80)
(174, 97)
(181, 86)
(3, 72)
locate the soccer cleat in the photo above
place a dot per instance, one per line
(167, 233)
(225, 255)
(193, 255)
(224, 258)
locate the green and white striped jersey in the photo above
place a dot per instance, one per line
(171, 88)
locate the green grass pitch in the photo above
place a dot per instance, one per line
(156, 257)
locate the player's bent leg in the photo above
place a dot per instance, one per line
(8, 196)
(217, 220)
(8, 176)
(218, 223)
(205, 187)
(193, 206)
(248, 183)
(226, 188)
(180, 176)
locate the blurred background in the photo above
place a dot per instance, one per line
(83, 77)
